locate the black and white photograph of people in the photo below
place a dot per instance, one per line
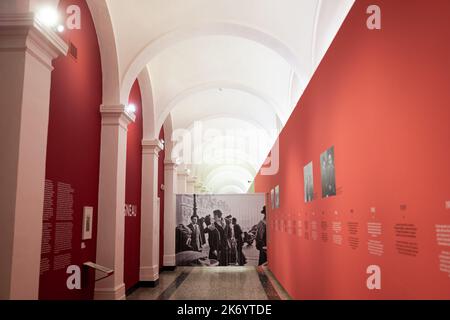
(272, 198)
(309, 182)
(328, 173)
(277, 197)
(215, 240)
(261, 239)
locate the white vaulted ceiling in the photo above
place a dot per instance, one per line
(223, 65)
(232, 67)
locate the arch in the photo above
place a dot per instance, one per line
(168, 107)
(108, 52)
(208, 29)
(223, 179)
(168, 143)
(238, 156)
(148, 107)
(248, 120)
(229, 168)
(230, 189)
(206, 170)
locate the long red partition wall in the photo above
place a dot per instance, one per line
(382, 99)
(72, 169)
(73, 157)
(133, 192)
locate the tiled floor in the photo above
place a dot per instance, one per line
(222, 283)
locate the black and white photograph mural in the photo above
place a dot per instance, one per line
(328, 173)
(309, 182)
(221, 230)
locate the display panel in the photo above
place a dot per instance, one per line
(221, 230)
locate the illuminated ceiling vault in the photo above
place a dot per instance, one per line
(226, 74)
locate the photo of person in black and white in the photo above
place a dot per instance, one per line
(231, 242)
(219, 230)
(277, 197)
(222, 252)
(309, 182)
(196, 235)
(328, 173)
(272, 198)
(238, 235)
(261, 239)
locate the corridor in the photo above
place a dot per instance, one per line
(261, 149)
(222, 283)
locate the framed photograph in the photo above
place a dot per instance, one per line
(272, 198)
(203, 220)
(88, 213)
(328, 173)
(277, 197)
(308, 182)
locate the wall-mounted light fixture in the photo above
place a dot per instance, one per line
(131, 108)
(50, 18)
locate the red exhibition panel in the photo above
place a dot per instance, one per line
(381, 98)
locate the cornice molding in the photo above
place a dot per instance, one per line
(25, 32)
(116, 115)
(170, 165)
(152, 146)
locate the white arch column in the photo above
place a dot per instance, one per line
(27, 49)
(150, 222)
(111, 217)
(170, 190)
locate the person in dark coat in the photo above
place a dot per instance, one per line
(231, 242)
(183, 239)
(214, 242)
(223, 244)
(241, 259)
(201, 224)
(261, 239)
(196, 234)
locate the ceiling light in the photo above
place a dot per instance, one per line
(48, 16)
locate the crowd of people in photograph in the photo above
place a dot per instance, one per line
(224, 237)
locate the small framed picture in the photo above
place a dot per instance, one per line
(308, 182)
(277, 197)
(328, 172)
(88, 213)
(272, 198)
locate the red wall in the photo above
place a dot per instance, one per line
(133, 192)
(162, 156)
(73, 150)
(382, 99)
